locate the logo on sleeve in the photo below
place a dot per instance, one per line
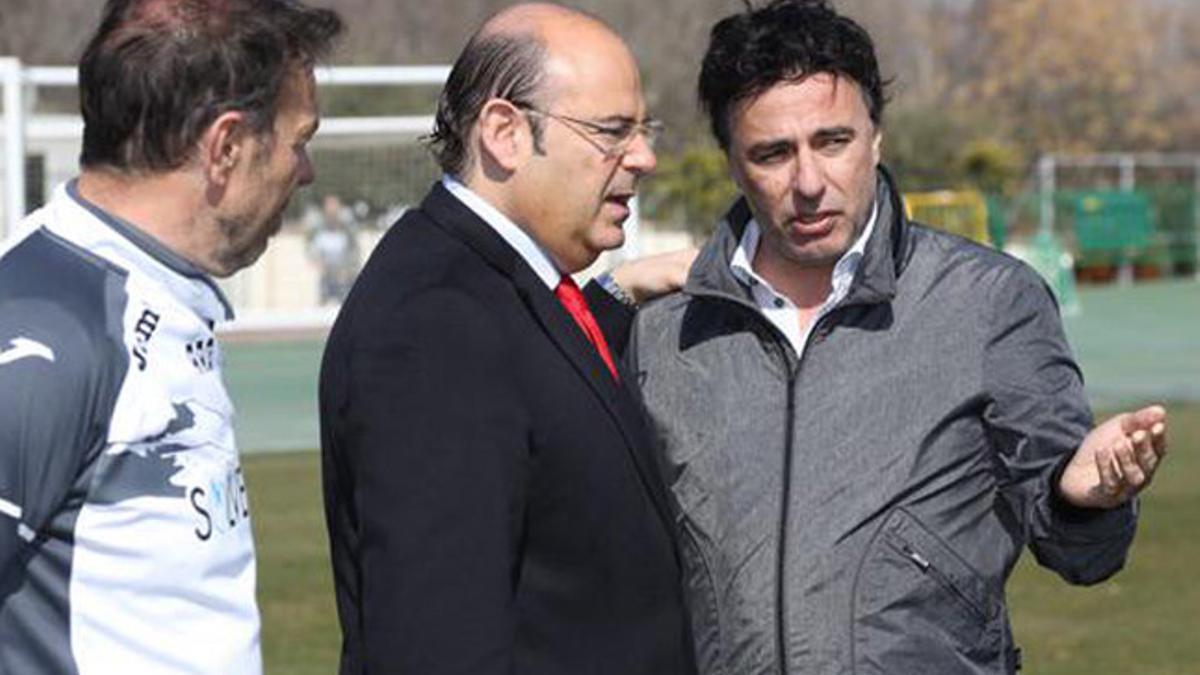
(22, 348)
(143, 330)
(202, 352)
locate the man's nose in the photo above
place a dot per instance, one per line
(808, 178)
(639, 157)
(307, 172)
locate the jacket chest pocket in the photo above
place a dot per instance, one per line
(919, 607)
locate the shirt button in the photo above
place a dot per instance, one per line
(779, 303)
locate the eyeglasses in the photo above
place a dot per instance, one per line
(612, 140)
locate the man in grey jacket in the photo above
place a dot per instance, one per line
(864, 420)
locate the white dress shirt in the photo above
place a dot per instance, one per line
(778, 309)
(526, 247)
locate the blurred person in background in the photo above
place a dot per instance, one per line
(125, 540)
(864, 421)
(333, 246)
(492, 498)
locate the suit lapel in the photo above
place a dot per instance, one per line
(448, 213)
(463, 224)
(617, 400)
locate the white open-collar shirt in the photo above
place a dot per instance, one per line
(778, 309)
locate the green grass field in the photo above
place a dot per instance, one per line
(1142, 622)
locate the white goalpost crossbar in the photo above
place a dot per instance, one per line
(20, 84)
(55, 139)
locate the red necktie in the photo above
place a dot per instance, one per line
(572, 299)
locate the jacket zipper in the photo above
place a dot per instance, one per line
(941, 579)
(780, 343)
(815, 335)
(785, 499)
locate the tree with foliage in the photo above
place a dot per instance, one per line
(1067, 75)
(692, 188)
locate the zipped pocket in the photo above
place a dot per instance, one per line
(934, 572)
(919, 607)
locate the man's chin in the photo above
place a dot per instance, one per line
(613, 238)
(254, 254)
(232, 264)
(814, 258)
(818, 251)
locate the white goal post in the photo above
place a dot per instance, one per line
(21, 124)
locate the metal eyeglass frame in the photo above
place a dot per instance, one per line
(649, 129)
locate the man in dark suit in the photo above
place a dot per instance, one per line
(492, 501)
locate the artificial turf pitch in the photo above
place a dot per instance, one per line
(1144, 621)
(1135, 344)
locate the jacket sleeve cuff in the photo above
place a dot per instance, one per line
(1087, 524)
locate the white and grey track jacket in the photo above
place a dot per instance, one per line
(125, 541)
(858, 509)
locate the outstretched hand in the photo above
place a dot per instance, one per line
(1117, 460)
(648, 277)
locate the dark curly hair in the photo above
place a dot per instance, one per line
(156, 73)
(786, 40)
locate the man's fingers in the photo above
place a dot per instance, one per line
(1144, 452)
(1131, 471)
(1158, 438)
(1145, 418)
(1110, 480)
(1127, 450)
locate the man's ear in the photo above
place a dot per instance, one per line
(224, 144)
(505, 138)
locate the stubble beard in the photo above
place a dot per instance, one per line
(238, 253)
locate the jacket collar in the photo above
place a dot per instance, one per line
(455, 218)
(530, 250)
(875, 282)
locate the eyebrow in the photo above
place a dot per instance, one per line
(765, 147)
(615, 119)
(834, 132)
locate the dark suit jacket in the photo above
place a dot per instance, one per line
(492, 501)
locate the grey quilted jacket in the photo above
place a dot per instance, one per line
(858, 510)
